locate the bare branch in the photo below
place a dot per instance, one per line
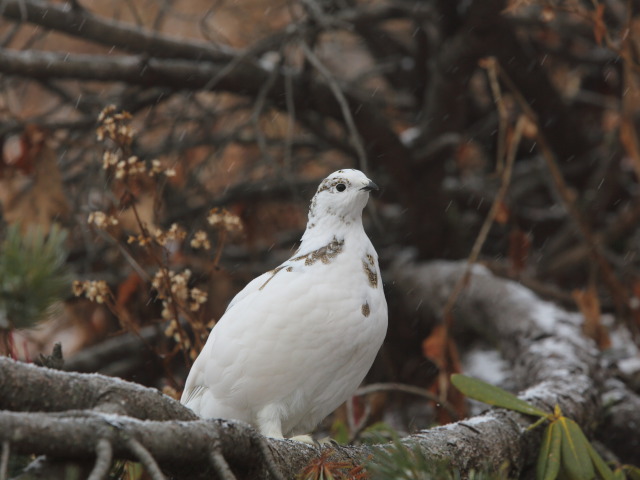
(4, 460)
(26, 387)
(245, 79)
(145, 458)
(111, 33)
(221, 465)
(344, 105)
(104, 455)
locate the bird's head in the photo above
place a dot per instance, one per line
(340, 198)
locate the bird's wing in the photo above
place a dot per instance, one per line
(251, 287)
(192, 392)
(196, 384)
(268, 328)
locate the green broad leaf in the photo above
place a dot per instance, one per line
(549, 458)
(575, 451)
(601, 466)
(619, 475)
(484, 392)
(630, 472)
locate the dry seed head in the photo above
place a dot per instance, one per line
(121, 170)
(102, 220)
(166, 313)
(171, 328)
(200, 240)
(95, 290)
(158, 278)
(106, 112)
(176, 233)
(224, 219)
(115, 126)
(131, 167)
(199, 297)
(109, 159)
(179, 285)
(77, 288)
(157, 167)
(141, 239)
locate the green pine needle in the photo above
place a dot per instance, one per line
(33, 275)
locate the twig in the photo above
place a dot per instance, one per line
(134, 13)
(617, 290)
(503, 115)
(488, 221)
(4, 459)
(291, 120)
(222, 238)
(410, 389)
(143, 455)
(110, 32)
(348, 118)
(450, 353)
(244, 56)
(290, 104)
(267, 457)
(220, 465)
(125, 253)
(104, 455)
(257, 112)
(344, 105)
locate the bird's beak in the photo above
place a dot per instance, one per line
(370, 186)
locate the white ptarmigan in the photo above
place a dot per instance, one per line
(297, 341)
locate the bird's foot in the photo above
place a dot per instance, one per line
(308, 439)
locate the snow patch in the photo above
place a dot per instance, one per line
(484, 364)
(478, 420)
(544, 314)
(542, 390)
(408, 136)
(629, 366)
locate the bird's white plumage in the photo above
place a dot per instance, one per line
(297, 341)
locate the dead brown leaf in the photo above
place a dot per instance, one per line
(629, 140)
(433, 346)
(599, 27)
(440, 347)
(589, 305)
(519, 248)
(31, 188)
(502, 213)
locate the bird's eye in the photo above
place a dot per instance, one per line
(341, 187)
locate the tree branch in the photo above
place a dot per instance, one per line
(27, 388)
(110, 33)
(245, 79)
